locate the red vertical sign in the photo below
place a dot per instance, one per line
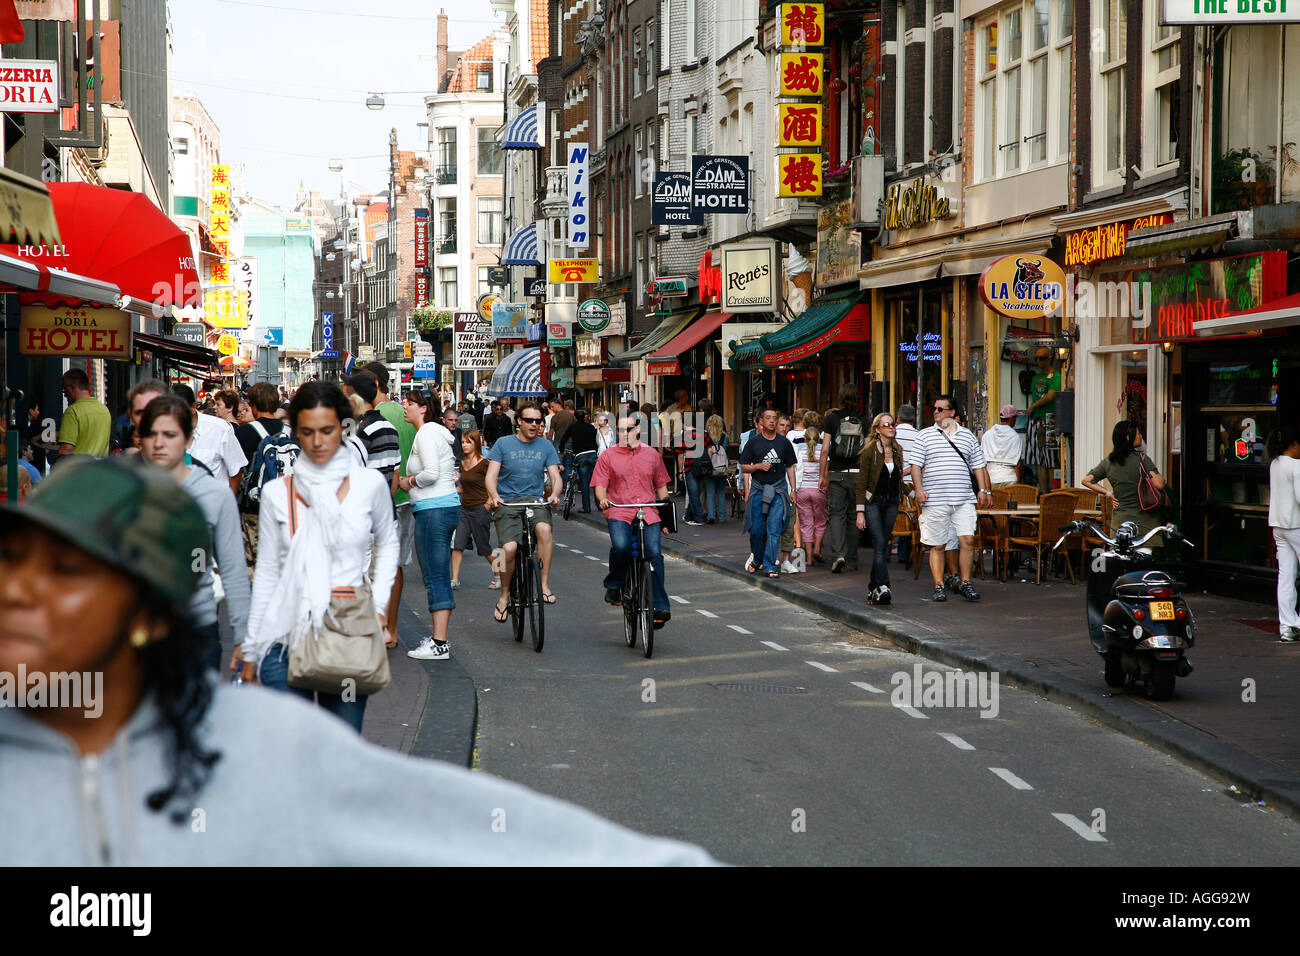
(421, 237)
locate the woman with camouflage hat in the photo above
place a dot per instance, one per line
(165, 430)
(159, 764)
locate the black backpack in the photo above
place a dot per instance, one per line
(850, 437)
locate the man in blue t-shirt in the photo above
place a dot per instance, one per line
(768, 460)
(517, 470)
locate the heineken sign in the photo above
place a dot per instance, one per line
(593, 316)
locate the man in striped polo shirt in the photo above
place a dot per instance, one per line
(942, 460)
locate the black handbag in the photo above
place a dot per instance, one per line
(668, 516)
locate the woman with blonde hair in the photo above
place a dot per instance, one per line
(475, 525)
(715, 486)
(809, 498)
(880, 482)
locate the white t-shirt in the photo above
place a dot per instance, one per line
(215, 445)
(1002, 446)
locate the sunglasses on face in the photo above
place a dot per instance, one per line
(887, 425)
(634, 428)
(531, 421)
(940, 408)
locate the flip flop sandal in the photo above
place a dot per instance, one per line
(495, 585)
(548, 597)
(501, 614)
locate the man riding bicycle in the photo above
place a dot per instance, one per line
(632, 472)
(517, 469)
(578, 448)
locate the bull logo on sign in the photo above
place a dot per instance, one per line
(1028, 270)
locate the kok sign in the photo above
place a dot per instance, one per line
(1213, 12)
(579, 230)
(91, 333)
(575, 270)
(801, 74)
(720, 184)
(1023, 287)
(593, 316)
(799, 174)
(327, 336)
(751, 278)
(799, 124)
(803, 24)
(29, 86)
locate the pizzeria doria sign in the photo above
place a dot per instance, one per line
(29, 86)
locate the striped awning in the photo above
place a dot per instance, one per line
(525, 130)
(524, 247)
(518, 375)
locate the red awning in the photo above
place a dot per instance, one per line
(117, 237)
(688, 338)
(1276, 314)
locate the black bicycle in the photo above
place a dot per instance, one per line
(638, 585)
(526, 583)
(571, 480)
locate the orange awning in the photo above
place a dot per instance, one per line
(691, 336)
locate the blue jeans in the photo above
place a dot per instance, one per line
(880, 521)
(620, 550)
(715, 498)
(765, 533)
(694, 505)
(434, 529)
(211, 644)
(584, 465)
(274, 673)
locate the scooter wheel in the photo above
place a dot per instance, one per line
(1161, 684)
(1114, 670)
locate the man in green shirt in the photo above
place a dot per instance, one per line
(395, 416)
(86, 424)
(1040, 446)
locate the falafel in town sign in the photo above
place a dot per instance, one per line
(1023, 287)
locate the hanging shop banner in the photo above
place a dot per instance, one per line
(592, 352)
(1178, 296)
(510, 322)
(799, 124)
(720, 184)
(869, 85)
(424, 366)
(1211, 13)
(575, 270)
(421, 237)
(245, 281)
(534, 287)
(327, 336)
(227, 344)
(65, 10)
(191, 333)
(1021, 346)
(1023, 287)
(839, 246)
(421, 288)
(803, 24)
(801, 74)
(87, 333)
(916, 202)
(226, 308)
(559, 335)
(579, 196)
(29, 86)
(751, 275)
(593, 316)
(670, 201)
(668, 286)
(617, 320)
(798, 175)
(484, 304)
(1108, 241)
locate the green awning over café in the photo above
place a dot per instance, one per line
(842, 317)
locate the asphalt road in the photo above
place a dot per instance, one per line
(767, 735)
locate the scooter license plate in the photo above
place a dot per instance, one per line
(1162, 610)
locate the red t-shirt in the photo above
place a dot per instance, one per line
(629, 474)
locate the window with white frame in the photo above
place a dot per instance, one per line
(664, 142)
(447, 289)
(692, 134)
(485, 283)
(1160, 93)
(639, 256)
(651, 157)
(1023, 87)
(490, 221)
(638, 63)
(665, 51)
(1109, 46)
(638, 170)
(650, 64)
(692, 25)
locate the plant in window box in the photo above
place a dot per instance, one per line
(427, 319)
(1243, 179)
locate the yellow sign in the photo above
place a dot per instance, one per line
(799, 174)
(575, 270)
(801, 74)
(485, 303)
(221, 176)
(227, 344)
(226, 308)
(803, 24)
(94, 333)
(799, 124)
(220, 201)
(1023, 287)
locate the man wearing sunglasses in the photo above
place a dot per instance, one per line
(517, 469)
(630, 472)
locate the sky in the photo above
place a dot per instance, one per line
(287, 82)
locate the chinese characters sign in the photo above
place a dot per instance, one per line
(803, 24)
(801, 74)
(799, 174)
(799, 124)
(220, 210)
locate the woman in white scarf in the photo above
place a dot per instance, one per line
(341, 507)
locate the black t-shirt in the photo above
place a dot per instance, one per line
(831, 430)
(249, 438)
(777, 450)
(580, 436)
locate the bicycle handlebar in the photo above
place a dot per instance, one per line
(647, 504)
(525, 504)
(1168, 530)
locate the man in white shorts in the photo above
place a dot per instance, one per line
(942, 461)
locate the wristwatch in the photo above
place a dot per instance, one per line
(985, 491)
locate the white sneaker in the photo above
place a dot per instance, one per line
(430, 651)
(749, 564)
(788, 568)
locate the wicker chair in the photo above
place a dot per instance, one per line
(735, 497)
(907, 508)
(1056, 509)
(991, 532)
(905, 526)
(1022, 494)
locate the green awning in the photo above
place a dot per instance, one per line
(817, 327)
(659, 336)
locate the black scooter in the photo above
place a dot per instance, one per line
(1137, 619)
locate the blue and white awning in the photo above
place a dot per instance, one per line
(518, 375)
(525, 130)
(524, 247)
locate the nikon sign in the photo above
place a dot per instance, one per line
(751, 277)
(916, 202)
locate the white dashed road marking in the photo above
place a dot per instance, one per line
(592, 557)
(705, 613)
(912, 712)
(738, 629)
(822, 667)
(1011, 778)
(679, 600)
(956, 741)
(574, 550)
(867, 687)
(1081, 828)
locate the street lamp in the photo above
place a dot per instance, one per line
(375, 101)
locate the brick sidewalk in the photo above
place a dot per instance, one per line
(1042, 626)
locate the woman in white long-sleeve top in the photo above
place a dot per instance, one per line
(341, 506)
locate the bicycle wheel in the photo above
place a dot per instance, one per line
(645, 609)
(630, 603)
(536, 606)
(518, 599)
(568, 499)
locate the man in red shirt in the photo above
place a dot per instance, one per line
(633, 473)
